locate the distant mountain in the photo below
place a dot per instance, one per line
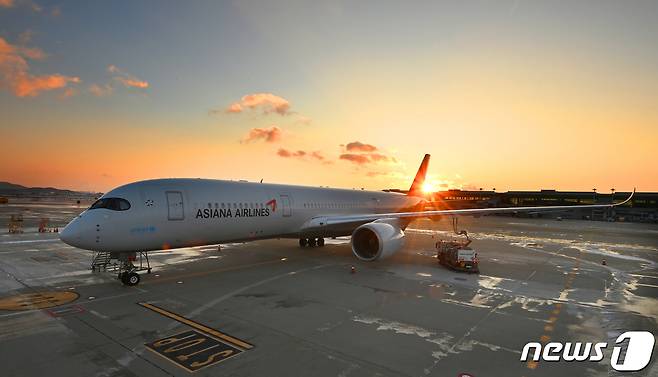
(10, 186)
(12, 189)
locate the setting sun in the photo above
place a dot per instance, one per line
(429, 187)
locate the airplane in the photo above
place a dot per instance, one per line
(174, 213)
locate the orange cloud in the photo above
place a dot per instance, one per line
(15, 72)
(303, 155)
(361, 154)
(6, 3)
(359, 159)
(234, 108)
(287, 154)
(357, 146)
(120, 76)
(133, 83)
(30, 86)
(266, 102)
(127, 79)
(270, 135)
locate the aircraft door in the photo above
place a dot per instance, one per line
(175, 205)
(285, 206)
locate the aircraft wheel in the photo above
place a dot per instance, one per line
(320, 242)
(132, 278)
(311, 242)
(303, 242)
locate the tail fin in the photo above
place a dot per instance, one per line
(416, 188)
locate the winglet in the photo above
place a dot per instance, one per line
(416, 188)
(627, 199)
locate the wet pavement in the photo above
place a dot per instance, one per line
(304, 312)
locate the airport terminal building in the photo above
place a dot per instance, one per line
(643, 207)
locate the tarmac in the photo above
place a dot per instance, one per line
(273, 308)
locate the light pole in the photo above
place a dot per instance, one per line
(612, 211)
(594, 198)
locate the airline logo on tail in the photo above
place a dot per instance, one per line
(416, 188)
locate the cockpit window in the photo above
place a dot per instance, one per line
(114, 204)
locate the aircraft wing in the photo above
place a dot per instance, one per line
(329, 223)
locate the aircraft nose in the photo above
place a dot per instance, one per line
(71, 234)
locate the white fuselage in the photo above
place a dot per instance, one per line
(172, 213)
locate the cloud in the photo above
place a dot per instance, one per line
(15, 71)
(132, 83)
(357, 146)
(269, 135)
(128, 80)
(267, 103)
(6, 3)
(263, 104)
(287, 154)
(117, 76)
(303, 155)
(359, 159)
(360, 153)
(233, 108)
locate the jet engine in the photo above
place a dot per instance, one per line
(377, 240)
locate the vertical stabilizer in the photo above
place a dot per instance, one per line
(416, 188)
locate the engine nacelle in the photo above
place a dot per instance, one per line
(377, 240)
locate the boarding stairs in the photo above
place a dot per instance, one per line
(102, 261)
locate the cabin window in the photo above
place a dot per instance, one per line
(113, 204)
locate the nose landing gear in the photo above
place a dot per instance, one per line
(128, 271)
(122, 263)
(129, 278)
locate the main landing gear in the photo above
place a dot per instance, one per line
(311, 242)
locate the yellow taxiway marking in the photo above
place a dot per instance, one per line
(203, 328)
(37, 300)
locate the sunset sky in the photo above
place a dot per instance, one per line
(506, 94)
